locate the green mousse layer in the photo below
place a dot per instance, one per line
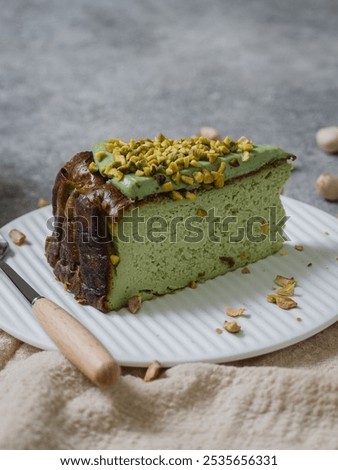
(138, 187)
(167, 248)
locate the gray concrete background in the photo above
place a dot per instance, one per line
(74, 72)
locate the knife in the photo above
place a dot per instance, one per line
(80, 346)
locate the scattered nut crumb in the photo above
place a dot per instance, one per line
(17, 237)
(134, 304)
(326, 233)
(287, 290)
(299, 247)
(232, 312)
(193, 285)
(153, 371)
(327, 186)
(286, 303)
(310, 264)
(271, 298)
(219, 331)
(42, 202)
(283, 252)
(209, 133)
(327, 139)
(245, 270)
(283, 281)
(336, 259)
(231, 326)
(299, 319)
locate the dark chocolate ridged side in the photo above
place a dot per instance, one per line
(80, 245)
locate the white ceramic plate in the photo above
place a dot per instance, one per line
(181, 327)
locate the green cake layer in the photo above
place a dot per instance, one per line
(150, 268)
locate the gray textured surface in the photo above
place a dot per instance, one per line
(75, 72)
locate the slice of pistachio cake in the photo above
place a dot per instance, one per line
(139, 219)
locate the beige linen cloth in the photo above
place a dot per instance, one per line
(287, 399)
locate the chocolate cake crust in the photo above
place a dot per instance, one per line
(80, 246)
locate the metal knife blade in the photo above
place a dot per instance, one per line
(28, 291)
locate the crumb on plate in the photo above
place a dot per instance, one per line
(17, 237)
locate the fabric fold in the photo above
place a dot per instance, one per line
(287, 399)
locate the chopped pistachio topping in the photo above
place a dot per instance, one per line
(114, 260)
(187, 179)
(168, 159)
(176, 196)
(138, 169)
(246, 156)
(93, 167)
(100, 155)
(190, 196)
(218, 179)
(202, 213)
(167, 186)
(198, 177)
(221, 168)
(176, 178)
(265, 229)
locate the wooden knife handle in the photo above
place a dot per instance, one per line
(77, 343)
